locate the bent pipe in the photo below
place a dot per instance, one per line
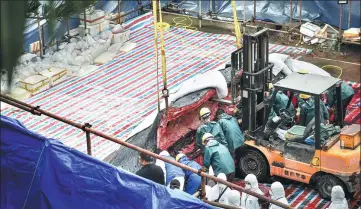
(29, 108)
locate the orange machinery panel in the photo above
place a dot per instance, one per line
(350, 137)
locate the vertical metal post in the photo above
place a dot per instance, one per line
(317, 122)
(203, 188)
(67, 26)
(40, 41)
(88, 141)
(349, 14)
(118, 11)
(254, 9)
(340, 28)
(200, 13)
(244, 16)
(291, 13)
(339, 106)
(85, 22)
(300, 19)
(42, 38)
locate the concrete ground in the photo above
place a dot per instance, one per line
(348, 58)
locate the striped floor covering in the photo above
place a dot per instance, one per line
(120, 93)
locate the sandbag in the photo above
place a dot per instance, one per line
(279, 61)
(97, 52)
(115, 48)
(127, 46)
(73, 40)
(104, 58)
(121, 37)
(86, 69)
(311, 68)
(118, 29)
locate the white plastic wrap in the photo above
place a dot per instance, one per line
(115, 48)
(97, 52)
(118, 29)
(127, 46)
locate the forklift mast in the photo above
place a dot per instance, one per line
(257, 74)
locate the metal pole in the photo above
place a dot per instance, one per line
(244, 17)
(300, 19)
(40, 42)
(155, 20)
(67, 26)
(37, 109)
(118, 12)
(85, 22)
(42, 39)
(349, 14)
(200, 13)
(254, 9)
(340, 28)
(203, 188)
(291, 13)
(88, 140)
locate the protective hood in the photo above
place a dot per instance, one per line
(234, 198)
(225, 116)
(337, 194)
(212, 143)
(164, 153)
(277, 191)
(253, 186)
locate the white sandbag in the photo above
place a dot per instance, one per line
(20, 94)
(210, 79)
(26, 58)
(97, 52)
(69, 48)
(118, 29)
(115, 48)
(121, 37)
(76, 52)
(87, 52)
(90, 41)
(279, 63)
(107, 44)
(88, 60)
(62, 45)
(102, 41)
(127, 46)
(73, 70)
(311, 68)
(79, 45)
(78, 61)
(104, 58)
(86, 69)
(74, 40)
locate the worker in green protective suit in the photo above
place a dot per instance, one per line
(208, 126)
(280, 102)
(346, 96)
(231, 130)
(306, 106)
(217, 156)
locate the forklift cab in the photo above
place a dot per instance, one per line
(315, 86)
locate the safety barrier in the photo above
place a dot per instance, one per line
(88, 130)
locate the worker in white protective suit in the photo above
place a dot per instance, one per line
(249, 201)
(278, 193)
(234, 198)
(338, 200)
(219, 192)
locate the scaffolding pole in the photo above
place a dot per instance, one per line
(37, 111)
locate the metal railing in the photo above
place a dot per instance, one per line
(88, 130)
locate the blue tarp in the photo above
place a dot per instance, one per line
(279, 11)
(42, 173)
(31, 31)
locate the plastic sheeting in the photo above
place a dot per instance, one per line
(37, 172)
(279, 11)
(31, 28)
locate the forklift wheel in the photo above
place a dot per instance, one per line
(325, 184)
(252, 161)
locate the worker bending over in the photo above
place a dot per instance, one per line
(306, 106)
(193, 180)
(346, 96)
(278, 193)
(338, 200)
(208, 126)
(217, 156)
(231, 130)
(171, 171)
(249, 201)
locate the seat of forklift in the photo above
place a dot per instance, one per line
(295, 132)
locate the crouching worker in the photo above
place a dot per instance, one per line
(338, 200)
(249, 201)
(278, 193)
(193, 180)
(171, 171)
(208, 126)
(149, 170)
(231, 130)
(219, 192)
(217, 156)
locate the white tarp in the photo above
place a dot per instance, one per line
(285, 64)
(210, 79)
